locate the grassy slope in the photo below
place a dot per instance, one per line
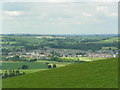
(81, 58)
(97, 74)
(111, 40)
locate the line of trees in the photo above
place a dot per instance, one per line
(54, 66)
(83, 46)
(11, 73)
(17, 58)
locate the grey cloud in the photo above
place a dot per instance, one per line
(15, 6)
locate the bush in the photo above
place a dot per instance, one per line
(33, 60)
(24, 67)
(54, 66)
(5, 75)
(17, 72)
(23, 72)
(12, 73)
(47, 63)
(49, 66)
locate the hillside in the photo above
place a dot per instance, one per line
(96, 74)
(111, 40)
(16, 43)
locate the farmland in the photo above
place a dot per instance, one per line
(56, 58)
(41, 64)
(32, 65)
(61, 42)
(97, 74)
(111, 40)
(81, 58)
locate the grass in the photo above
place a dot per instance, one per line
(107, 48)
(96, 74)
(111, 40)
(25, 70)
(31, 65)
(81, 58)
(59, 64)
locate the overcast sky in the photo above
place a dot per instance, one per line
(60, 17)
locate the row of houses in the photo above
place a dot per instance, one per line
(45, 54)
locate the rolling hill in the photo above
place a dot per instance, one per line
(96, 74)
(111, 40)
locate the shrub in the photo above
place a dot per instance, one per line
(49, 66)
(24, 67)
(5, 75)
(17, 72)
(46, 63)
(54, 66)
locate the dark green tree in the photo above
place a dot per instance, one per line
(23, 72)
(17, 72)
(6, 74)
(24, 67)
(49, 66)
(54, 66)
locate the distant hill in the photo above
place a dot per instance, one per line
(96, 74)
(111, 40)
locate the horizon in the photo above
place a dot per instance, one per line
(66, 34)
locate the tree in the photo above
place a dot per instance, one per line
(6, 74)
(10, 73)
(49, 66)
(15, 58)
(79, 53)
(54, 58)
(33, 60)
(110, 48)
(42, 47)
(13, 73)
(23, 72)
(47, 63)
(54, 66)
(17, 72)
(24, 67)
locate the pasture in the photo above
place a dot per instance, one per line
(81, 58)
(16, 65)
(97, 74)
(59, 64)
(107, 48)
(32, 66)
(111, 40)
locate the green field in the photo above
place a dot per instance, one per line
(26, 70)
(107, 48)
(90, 42)
(81, 58)
(31, 65)
(96, 74)
(111, 40)
(59, 64)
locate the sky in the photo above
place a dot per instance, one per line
(59, 17)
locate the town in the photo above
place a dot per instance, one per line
(45, 54)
